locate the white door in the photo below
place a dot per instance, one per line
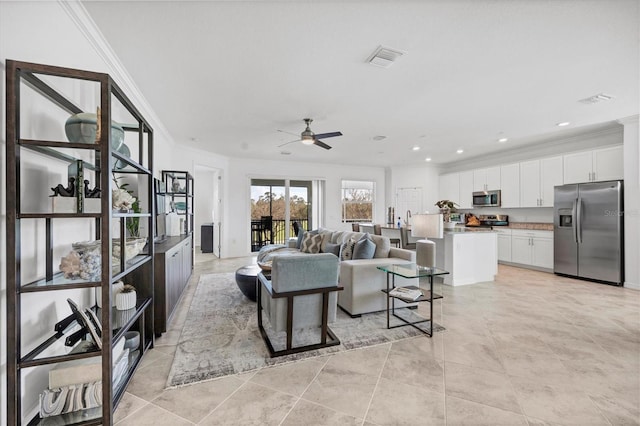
(530, 183)
(521, 249)
(466, 190)
(504, 248)
(608, 163)
(577, 167)
(493, 178)
(550, 176)
(542, 252)
(510, 185)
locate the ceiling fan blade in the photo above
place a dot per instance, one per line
(287, 143)
(289, 133)
(321, 144)
(328, 135)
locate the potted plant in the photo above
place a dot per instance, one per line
(446, 208)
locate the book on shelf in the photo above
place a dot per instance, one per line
(406, 293)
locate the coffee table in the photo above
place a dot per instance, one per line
(246, 280)
(411, 270)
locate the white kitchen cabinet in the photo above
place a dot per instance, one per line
(534, 248)
(537, 179)
(510, 185)
(595, 165)
(504, 245)
(449, 187)
(486, 179)
(550, 175)
(608, 163)
(466, 189)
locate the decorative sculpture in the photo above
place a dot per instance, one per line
(69, 191)
(91, 193)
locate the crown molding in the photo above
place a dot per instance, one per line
(87, 26)
(632, 119)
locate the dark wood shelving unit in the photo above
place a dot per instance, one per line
(21, 75)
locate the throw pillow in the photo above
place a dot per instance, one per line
(364, 249)
(326, 239)
(332, 248)
(311, 243)
(346, 249)
(300, 237)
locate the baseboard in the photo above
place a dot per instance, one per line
(524, 266)
(632, 286)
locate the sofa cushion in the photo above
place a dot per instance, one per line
(311, 243)
(364, 248)
(326, 239)
(332, 248)
(383, 246)
(300, 237)
(346, 249)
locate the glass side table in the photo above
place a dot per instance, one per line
(411, 270)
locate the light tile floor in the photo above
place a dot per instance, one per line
(530, 348)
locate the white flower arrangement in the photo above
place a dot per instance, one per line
(121, 199)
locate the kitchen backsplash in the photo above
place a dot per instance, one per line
(537, 214)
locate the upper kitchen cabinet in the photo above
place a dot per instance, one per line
(595, 165)
(449, 187)
(537, 179)
(466, 189)
(486, 179)
(510, 185)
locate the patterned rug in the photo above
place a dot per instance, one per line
(221, 336)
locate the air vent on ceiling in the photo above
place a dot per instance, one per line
(384, 56)
(596, 98)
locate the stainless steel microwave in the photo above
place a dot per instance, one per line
(486, 198)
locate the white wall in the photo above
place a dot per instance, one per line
(236, 231)
(51, 33)
(204, 179)
(632, 202)
(425, 177)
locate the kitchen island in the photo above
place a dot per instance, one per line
(471, 256)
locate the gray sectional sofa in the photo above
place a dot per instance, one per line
(361, 279)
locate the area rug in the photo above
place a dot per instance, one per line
(221, 336)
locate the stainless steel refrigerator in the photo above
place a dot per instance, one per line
(588, 237)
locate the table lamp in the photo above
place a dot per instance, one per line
(426, 226)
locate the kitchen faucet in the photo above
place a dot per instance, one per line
(408, 217)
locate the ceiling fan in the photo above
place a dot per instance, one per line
(307, 137)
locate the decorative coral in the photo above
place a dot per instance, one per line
(70, 265)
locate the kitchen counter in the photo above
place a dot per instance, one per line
(530, 225)
(470, 256)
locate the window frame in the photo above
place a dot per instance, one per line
(358, 185)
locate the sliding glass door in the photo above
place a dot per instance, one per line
(275, 205)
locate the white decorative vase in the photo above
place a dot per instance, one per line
(125, 301)
(115, 289)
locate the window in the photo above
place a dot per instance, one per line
(358, 199)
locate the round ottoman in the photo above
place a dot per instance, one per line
(246, 280)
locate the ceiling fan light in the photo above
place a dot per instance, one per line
(307, 140)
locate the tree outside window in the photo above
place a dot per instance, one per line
(358, 200)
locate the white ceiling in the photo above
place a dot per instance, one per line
(226, 76)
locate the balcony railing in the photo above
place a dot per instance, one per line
(262, 235)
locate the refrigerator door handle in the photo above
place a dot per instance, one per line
(574, 224)
(579, 220)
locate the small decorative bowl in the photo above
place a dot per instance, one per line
(131, 340)
(81, 128)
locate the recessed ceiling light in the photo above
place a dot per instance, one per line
(427, 159)
(564, 123)
(416, 148)
(502, 140)
(460, 151)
